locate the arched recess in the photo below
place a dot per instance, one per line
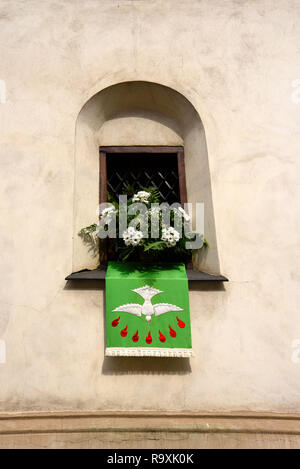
(139, 113)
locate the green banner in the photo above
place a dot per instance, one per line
(147, 310)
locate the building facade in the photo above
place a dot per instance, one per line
(222, 80)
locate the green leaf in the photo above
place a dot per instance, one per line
(156, 246)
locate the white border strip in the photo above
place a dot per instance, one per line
(148, 352)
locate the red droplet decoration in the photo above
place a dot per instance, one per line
(180, 323)
(161, 337)
(172, 332)
(124, 332)
(149, 338)
(115, 322)
(135, 337)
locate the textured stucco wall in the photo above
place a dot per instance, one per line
(236, 62)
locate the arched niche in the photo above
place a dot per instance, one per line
(139, 113)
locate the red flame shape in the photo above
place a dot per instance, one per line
(172, 332)
(161, 337)
(124, 332)
(149, 338)
(135, 337)
(115, 322)
(180, 323)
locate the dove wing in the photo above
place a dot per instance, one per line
(161, 308)
(131, 308)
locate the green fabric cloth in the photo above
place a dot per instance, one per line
(122, 325)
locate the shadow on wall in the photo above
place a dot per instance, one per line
(140, 113)
(145, 366)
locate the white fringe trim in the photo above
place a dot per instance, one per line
(149, 352)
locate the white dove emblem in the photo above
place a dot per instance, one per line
(148, 309)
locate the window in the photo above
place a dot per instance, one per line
(161, 167)
(141, 167)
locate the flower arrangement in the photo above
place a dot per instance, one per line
(152, 231)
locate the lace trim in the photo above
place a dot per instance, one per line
(149, 352)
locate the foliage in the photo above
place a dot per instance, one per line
(132, 244)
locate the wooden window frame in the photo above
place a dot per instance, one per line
(150, 150)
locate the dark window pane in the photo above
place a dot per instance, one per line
(141, 171)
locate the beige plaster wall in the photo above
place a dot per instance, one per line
(237, 64)
(137, 130)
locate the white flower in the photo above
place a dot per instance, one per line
(132, 237)
(170, 236)
(106, 214)
(141, 196)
